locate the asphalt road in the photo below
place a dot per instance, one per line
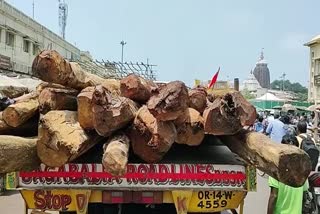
(255, 202)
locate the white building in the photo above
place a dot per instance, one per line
(21, 39)
(314, 69)
(251, 83)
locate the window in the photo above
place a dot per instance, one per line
(35, 49)
(10, 39)
(0, 35)
(26, 46)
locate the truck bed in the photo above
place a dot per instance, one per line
(211, 151)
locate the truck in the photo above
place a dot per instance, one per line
(206, 179)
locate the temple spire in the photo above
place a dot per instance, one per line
(262, 55)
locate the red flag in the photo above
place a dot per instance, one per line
(214, 79)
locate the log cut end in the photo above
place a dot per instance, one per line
(115, 157)
(50, 66)
(171, 101)
(136, 88)
(18, 113)
(228, 114)
(198, 99)
(57, 99)
(189, 128)
(150, 138)
(111, 112)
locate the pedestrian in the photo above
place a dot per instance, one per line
(276, 129)
(285, 199)
(307, 143)
(289, 129)
(258, 125)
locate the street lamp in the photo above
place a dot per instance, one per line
(122, 43)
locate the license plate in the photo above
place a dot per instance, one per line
(215, 201)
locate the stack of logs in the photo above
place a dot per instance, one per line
(72, 111)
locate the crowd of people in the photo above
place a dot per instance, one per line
(292, 130)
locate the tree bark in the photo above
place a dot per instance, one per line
(50, 66)
(44, 85)
(116, 153)
(189, 128)
(27, 129)
(17, 154)
(111, 112)
(21, 111)
(25, 97)
(150, 138)
(171, 101)
(198, 99)
(228, 113)
(11, 88)
(136, 88)
(61, 138)
(85, 113)
(288, 164)
(57, 99)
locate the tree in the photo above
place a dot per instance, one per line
(300, 91)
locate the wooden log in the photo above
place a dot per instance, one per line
(150, 138)
(85, 113)
(44, 85)
(171, 101)
(198, 99)
(115, 156)
(111, 112)
(25, 97)
(189, 128)
(50, 66)
(27, 129)
(20, 112)
(136, 88)
(288, 164)
(228, 113)
(10, 87)
(57, 99)
(18, 153)
(61, 138)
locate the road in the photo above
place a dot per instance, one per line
(256, 202)
(12, 203)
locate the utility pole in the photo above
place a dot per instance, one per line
(122, 43)
(283, 76)
(33, 9)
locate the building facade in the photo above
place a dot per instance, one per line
(314, 69)
(22, 38)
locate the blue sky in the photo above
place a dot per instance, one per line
(190, 39)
